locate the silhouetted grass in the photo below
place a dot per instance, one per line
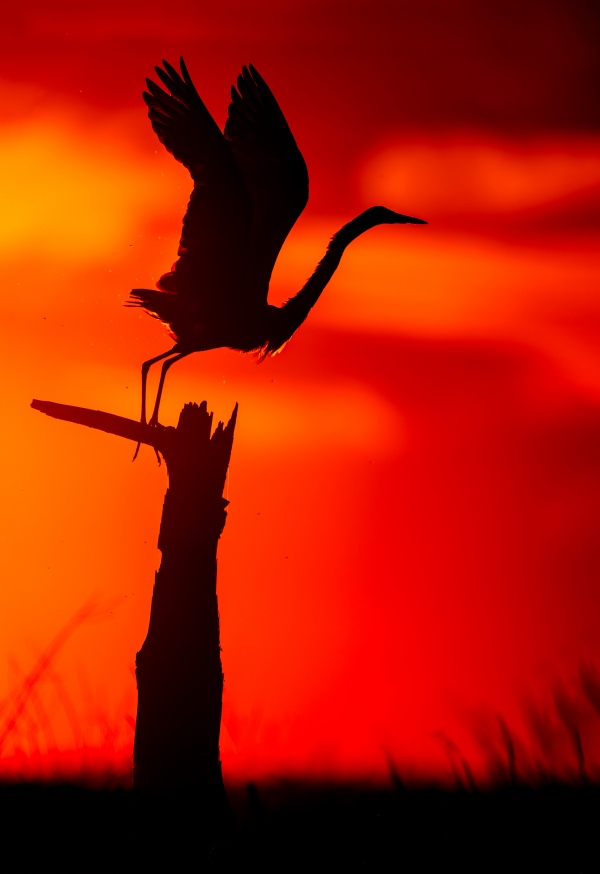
(527, 821)
(295, 826)
(28, 749)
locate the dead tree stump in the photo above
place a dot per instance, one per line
(178, 668)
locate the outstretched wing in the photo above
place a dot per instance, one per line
(273, 169)
(213, 253)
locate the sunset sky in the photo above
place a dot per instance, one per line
(412, 547)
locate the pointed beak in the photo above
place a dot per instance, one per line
(409, 220)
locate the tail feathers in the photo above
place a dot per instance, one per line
(268, 350)
(271, 347)
(161, 305)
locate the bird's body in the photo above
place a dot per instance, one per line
(250, 186)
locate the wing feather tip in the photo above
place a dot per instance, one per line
(171, 71)
(185, 73)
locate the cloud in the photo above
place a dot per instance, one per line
(459, 174)
(72, 192)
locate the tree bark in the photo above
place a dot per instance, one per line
(178, 668)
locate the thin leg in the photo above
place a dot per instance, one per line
(163, 373)
(145, 368)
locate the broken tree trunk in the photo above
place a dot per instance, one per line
(178, 668)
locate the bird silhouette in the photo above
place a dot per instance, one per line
(250, 187)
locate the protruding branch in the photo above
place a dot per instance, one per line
(153, 435)
(158, 436)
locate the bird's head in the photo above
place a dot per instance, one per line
(370, 218)
(381, 215)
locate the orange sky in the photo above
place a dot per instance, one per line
(412, 541)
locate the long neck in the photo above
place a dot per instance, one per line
(291, 315)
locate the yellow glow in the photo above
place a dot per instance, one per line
(69, 195)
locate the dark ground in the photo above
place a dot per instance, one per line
(293, 826)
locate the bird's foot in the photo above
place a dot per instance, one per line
(142, 422)
(153, 423)
(156, 452)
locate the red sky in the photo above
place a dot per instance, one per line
(412, 541)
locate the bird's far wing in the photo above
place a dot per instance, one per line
(272, 166)
(212, 256)
(182, 122)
